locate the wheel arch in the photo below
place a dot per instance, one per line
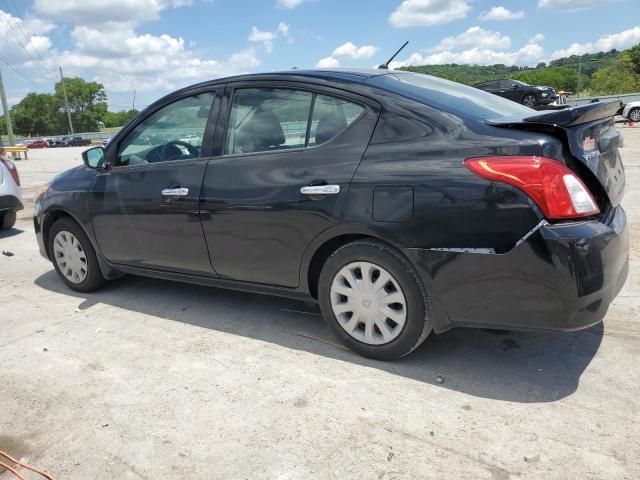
(328, 242)
(54, 214)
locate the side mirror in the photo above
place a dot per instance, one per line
(94, 157)
(515, 86)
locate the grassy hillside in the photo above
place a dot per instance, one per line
(562, 74)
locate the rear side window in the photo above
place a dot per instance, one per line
(451, 97)
(330, 117)
(268, 119)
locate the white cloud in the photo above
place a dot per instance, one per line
(289, 3)
(572, 5)
(412, 13)
(328, 62)
(16, 43)
(347, 51)
(530, 54)
(267, 38)
(537, 38)
(619, 41)
(87, 12)
(474, 37)
(499, 14)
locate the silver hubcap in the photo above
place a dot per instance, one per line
(70, 256)
(368, 303)
(635, 115)
(529, 101)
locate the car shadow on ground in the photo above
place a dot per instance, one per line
(11, 232)
(513, 366)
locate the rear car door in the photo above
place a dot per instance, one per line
(288, 153)
(145, 205)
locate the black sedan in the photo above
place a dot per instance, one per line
(520, 92)
(403, 204)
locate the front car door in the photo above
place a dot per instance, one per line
(145, 205)
(287, 156)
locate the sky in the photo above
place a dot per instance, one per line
(153, 47)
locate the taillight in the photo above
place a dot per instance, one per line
(557, 191)
(12, 170)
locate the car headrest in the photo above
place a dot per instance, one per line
(329, 126)
(262, 131)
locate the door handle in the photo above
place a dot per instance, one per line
(175, 192)
(320, 190)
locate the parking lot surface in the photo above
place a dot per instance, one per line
(151, 379)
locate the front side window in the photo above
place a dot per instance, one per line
(175, 132)
(267, 119)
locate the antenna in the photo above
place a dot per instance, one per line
(385, 66)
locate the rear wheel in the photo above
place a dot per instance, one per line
(373, 300)
(7, 220)
(529, 100)
(634, 114)
(74, 257)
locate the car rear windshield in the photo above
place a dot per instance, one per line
(451, 97)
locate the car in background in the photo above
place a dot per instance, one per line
(38, 144)
(631, 112)
(520, 92)
(401, 203)
(62, 142)
(10, 198)
(79, 142)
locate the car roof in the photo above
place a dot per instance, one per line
(344, 75)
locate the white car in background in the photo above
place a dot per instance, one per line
(10, 198)
(631, 111)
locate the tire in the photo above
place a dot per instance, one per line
(634, 114)
(93, 279)
(404, 284)
(7, 220)
(530, 100)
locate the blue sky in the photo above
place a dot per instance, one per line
(156, 46)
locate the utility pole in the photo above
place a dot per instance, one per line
(66, 102)
(133, 106)
(7, 114)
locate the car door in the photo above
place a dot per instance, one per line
(145, 205)
(288, 153)
(508, 90)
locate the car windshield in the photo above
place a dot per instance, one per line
(524, 84)
(451, 97)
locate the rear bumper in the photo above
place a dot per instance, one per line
(562, 277)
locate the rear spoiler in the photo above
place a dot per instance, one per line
(567, 117)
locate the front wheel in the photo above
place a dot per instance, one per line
(634, 114)
(529, 100)
(7, 220)
(74, 257)
(373, 300)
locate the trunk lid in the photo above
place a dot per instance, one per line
(591, 137)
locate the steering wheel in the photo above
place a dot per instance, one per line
(164, 151)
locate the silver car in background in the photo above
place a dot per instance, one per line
(631, 111)
(10, 198)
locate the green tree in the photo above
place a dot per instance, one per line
(37, 114)
(87, 102)
(618, 77)
(118, 119)
(634, 57)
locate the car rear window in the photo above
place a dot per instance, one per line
(451, 97)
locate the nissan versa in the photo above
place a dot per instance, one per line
(403, 203)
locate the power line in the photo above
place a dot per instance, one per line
(18, 25)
